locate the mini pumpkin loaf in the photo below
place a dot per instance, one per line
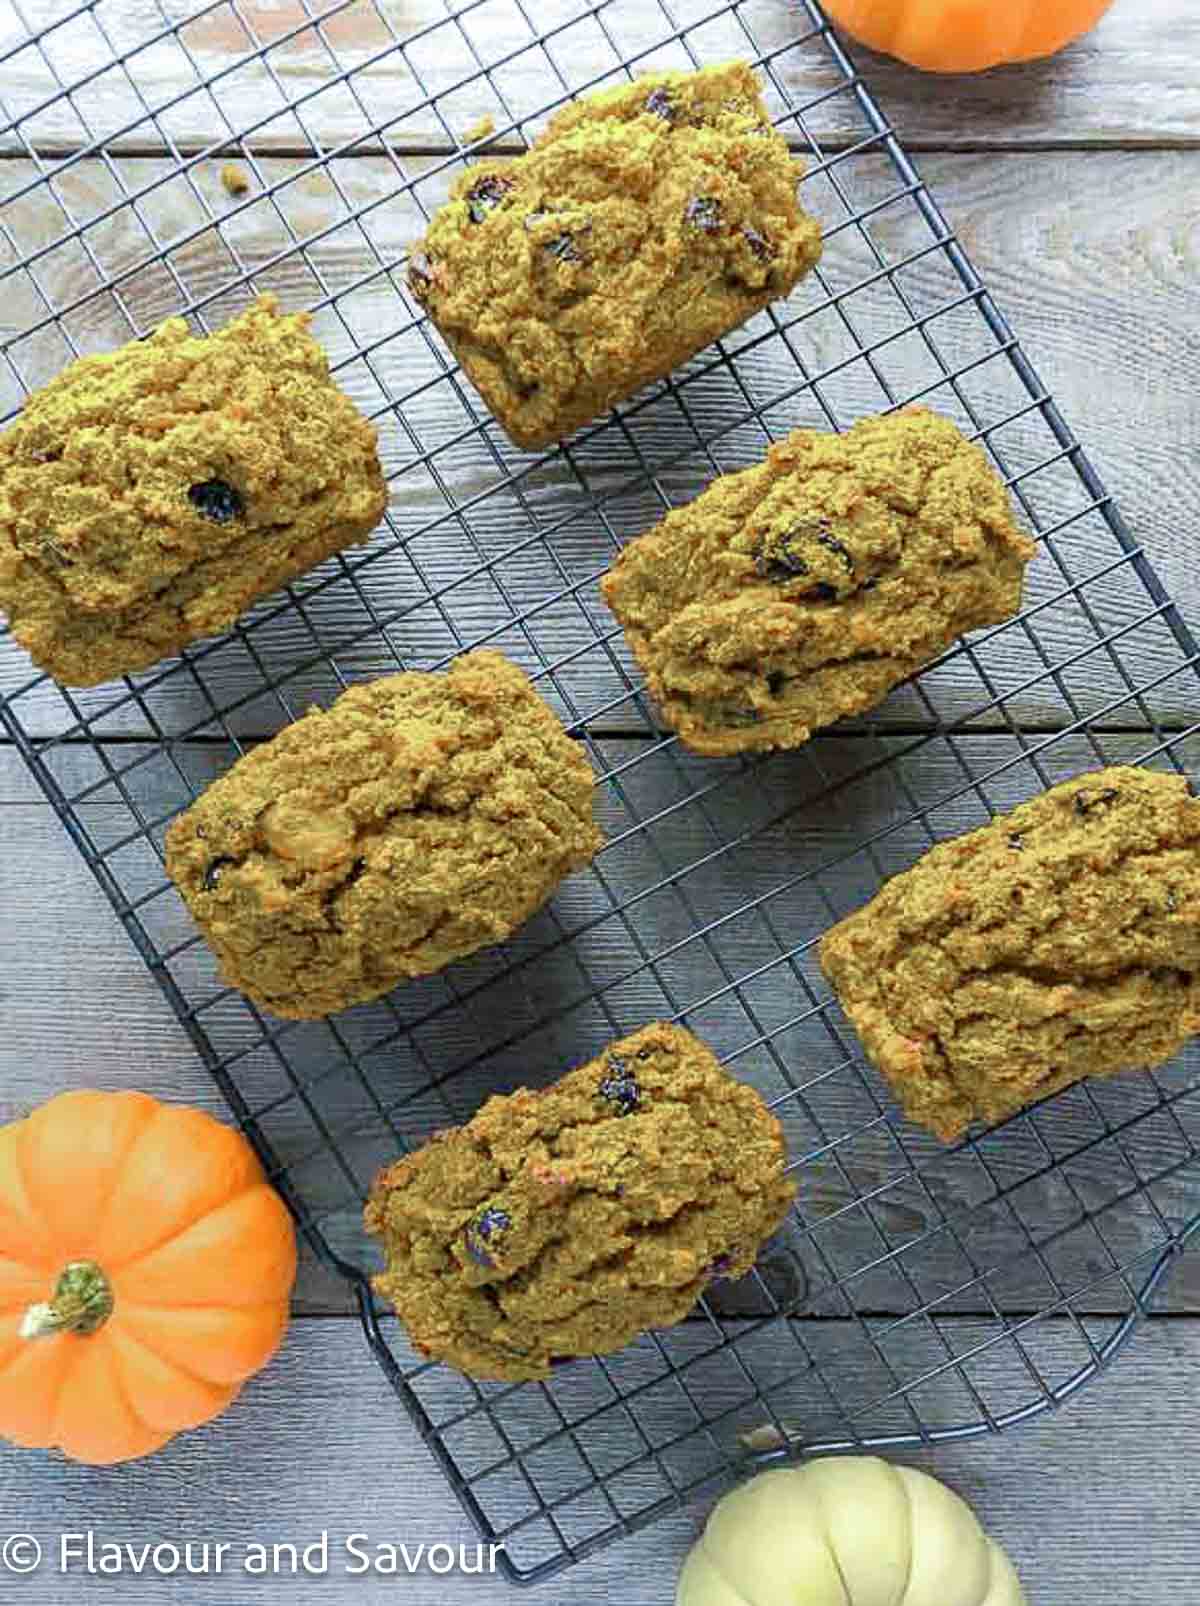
(565, 1221)
(1058, 942)
(644, 223)
(421, 817)
(806, 588)
(149, 496)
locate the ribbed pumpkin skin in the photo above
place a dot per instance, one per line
(966, 35)
(199, 1253)
(846, 1531)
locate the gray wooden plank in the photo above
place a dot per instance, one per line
(77, 1006)
(320, 1445)
(1130, 81)
(469, 555)
(666, 922)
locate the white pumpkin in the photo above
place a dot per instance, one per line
(846, 1531)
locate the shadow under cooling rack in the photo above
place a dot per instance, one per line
(917, 1292)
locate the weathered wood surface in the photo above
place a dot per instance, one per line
(1131, 81)
(1102, 297)
(1092, 1503)
(1093, 256)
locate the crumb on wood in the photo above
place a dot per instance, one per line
(480, 129)
(761, 1439)
(234, 179)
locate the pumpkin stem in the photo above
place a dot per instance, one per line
(82, 1302)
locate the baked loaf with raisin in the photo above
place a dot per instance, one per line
(644, 223)
(150, 495)
(1058, 942)
(805, 589)
(565, 1221)
(421, 817)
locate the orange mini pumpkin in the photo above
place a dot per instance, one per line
(145, 1268)
(966, 35)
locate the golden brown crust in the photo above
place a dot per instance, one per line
(150, 495)
(420, 818)
(1060, 941)
(791, 594)
(566, 1221)
(647, 221)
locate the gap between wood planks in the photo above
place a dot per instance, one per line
(1117, 1313)
(830, 145)
(640, 734)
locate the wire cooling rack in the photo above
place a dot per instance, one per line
(918, 1292)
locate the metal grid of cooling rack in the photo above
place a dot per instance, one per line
(918, 1292)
